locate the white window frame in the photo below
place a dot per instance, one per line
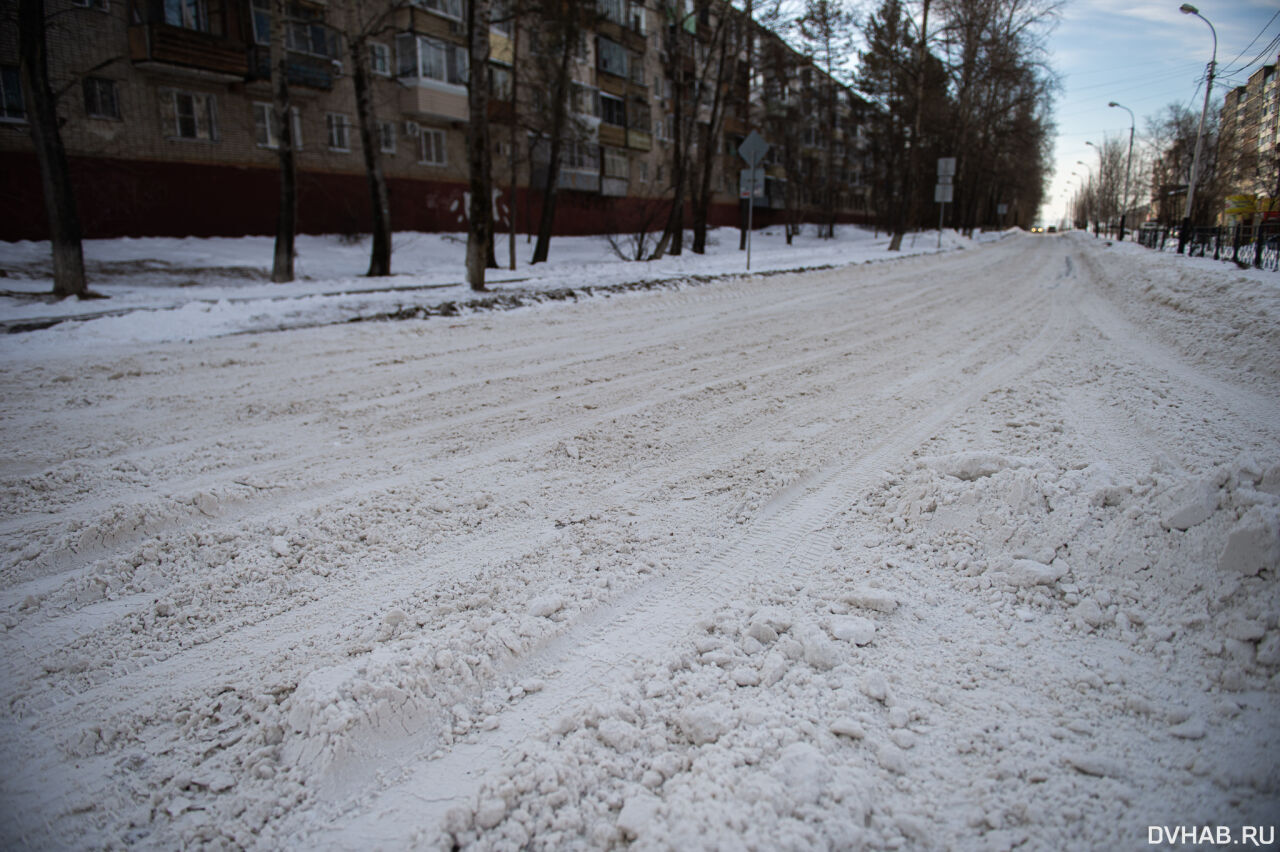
(431, 141)
(605, 98)
(451, 9)
(380, 59)
(616, 164)
(387, 137)
(337, 131)
(204, 115)
(264, 118)
(191, 14)
(430, 59)
(111, 86)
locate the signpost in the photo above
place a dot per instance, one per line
(943, 190)
(752, 149)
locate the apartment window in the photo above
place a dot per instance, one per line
(580, 157)
(11, 105)
(643, 168)
(387, 137)
(339, 130)
(611, 57)
(613, 110)
(586, 100)
(499, 83)
(501, 16)
(188, 115)
(430, 59)
(638, 18)
(431, 150)
(613, 10)
(100, 100)
(447, 8)
(304, 29)
(266, 129)
(188, 14)
(639, 116)
(100, 5)
(379, 59)
(615, 164)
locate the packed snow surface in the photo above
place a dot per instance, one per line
(971, 550)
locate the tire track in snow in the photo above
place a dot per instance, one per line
(639, 624)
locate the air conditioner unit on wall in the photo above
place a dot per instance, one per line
(337, 67)
(412, 128)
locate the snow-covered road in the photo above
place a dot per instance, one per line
(967, 551)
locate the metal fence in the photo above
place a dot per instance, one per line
(1243, 245)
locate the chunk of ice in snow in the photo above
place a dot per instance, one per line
(1253, 544)
(637, 814)
(858, 630)
(546, 605)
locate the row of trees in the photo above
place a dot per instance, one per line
(965, 79)
(969, 83)
(1158, 176)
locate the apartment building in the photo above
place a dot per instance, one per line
(1249, 137)
(167, 119)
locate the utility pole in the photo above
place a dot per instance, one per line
(1124, 202)
(1188, 9)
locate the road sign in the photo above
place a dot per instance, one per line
(942, 193)
(944, 180)
(946, 166)
(747, 178)
(1002, 209)
(753, 149)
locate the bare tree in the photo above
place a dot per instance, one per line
(559, 39)
(479, 156)
(55, 173)
(287, 214)
(365, 21)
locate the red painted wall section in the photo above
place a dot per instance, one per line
(133, 198)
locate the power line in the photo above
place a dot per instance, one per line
(1251, 44)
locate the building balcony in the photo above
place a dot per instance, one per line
(613, 136)
(432, 98)
(160, 47)
(571, 179)
(639, 140)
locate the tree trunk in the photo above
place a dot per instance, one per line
(371, 142)
(559, 114)
(512, 161)
(479, 157)
(55, 173)
(287, 216)
(910, 203)
(711, 148)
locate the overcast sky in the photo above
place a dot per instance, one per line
(1144, 54)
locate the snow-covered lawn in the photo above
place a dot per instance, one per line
(971, 550)
(184, 289)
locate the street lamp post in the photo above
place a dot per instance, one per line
(1188, 9)
(1124, 202)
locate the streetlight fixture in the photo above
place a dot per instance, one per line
(1188, 9)
(1124, 204)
